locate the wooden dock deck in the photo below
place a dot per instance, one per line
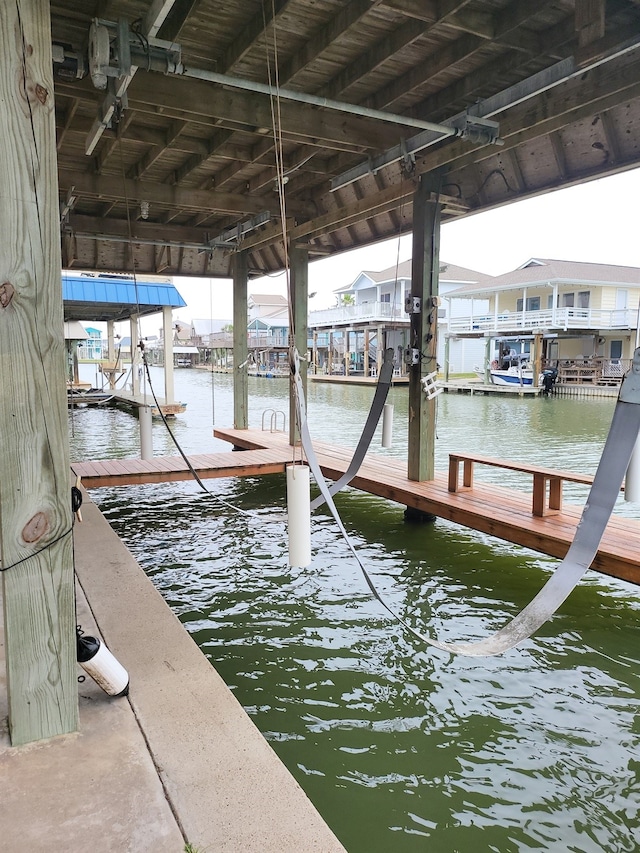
(166, 469)
(501, 512)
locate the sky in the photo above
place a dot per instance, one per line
(595, 222)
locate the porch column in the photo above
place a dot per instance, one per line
(315, 352)
(379, 349)
(347, 350)
(496, 310)
(133, 332)
(330, 355)
(299, 264)
(524, 306)
(423, 328)
(240, 345)
(35, 502)
(167, 337)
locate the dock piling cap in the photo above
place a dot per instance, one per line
(630, 387)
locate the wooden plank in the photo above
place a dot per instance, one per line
(35, 506)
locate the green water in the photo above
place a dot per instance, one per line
(402, 747)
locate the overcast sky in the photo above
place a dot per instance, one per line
(596, 222)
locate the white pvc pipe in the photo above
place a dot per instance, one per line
(146, 432)
(107, 671)
(387, 425)
(299, 515)
(632, 480)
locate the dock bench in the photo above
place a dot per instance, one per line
(542, 505)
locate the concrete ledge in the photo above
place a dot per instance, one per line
(226, 786)
(177, 760)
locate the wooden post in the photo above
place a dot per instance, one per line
(133, 332)
(330, 355)
(299, 262)
(240, 345)
(447, 356)
(487, 361)
(35, 500)
(167, 337)
(423, 328)
(365, 360)
(536, 366)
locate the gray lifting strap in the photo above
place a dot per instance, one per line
(377, 405)
(604, 492)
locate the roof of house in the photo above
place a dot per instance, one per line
(448, 272)
(104, 298)
(267, 299)
(542, 271)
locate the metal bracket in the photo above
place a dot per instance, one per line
(479, 131)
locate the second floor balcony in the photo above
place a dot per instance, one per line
(549, 319)
(346, 315)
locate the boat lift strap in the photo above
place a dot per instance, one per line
(377, 405)
(603, 494)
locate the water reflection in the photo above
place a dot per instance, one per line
(404, 748)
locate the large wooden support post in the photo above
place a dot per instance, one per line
(167, 337)
(240, 345)
(35, 500)
(299, 263)
(423, 328)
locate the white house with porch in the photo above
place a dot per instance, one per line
(579, 317)
(372, 309)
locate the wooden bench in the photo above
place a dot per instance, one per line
(541, 476)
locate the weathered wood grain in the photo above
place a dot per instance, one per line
(35, 506)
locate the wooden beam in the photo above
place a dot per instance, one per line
(35, 503)
(423, 327)
(240, 344)
(590, 20)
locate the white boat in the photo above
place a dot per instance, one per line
(516, 374)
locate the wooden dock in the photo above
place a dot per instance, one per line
(167, 469)
(505, 513)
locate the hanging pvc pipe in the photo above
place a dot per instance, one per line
(387, 425)
(632, 479)
(299, 515)
(146, 432)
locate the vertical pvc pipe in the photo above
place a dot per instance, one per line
(632, 480)
(387, 425)
(299, 515)
(146, 432)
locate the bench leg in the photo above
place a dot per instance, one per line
(467, 474)
(539, 494)
(454, 470)
(555, 494)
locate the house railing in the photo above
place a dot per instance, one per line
(552, 318)
(367, 311)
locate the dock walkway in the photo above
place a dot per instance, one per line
(501, 512)
(178, 760)
(508, 514)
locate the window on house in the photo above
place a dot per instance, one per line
(550, 301)
(385, 297)
(533, 303)
(616, 349)
(568, 300)
(583, 298)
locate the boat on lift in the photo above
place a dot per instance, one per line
(514, 370)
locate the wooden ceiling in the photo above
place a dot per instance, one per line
(185, 162)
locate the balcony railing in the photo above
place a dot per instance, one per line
(552, 318)
(367, 311)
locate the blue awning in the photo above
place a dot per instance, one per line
(102, 298)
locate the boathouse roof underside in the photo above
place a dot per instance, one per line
(184, 138)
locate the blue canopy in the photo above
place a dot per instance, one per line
(101, 298)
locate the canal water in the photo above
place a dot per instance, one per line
(402, 748)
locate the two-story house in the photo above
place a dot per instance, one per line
(581, 318)
(370, 317)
